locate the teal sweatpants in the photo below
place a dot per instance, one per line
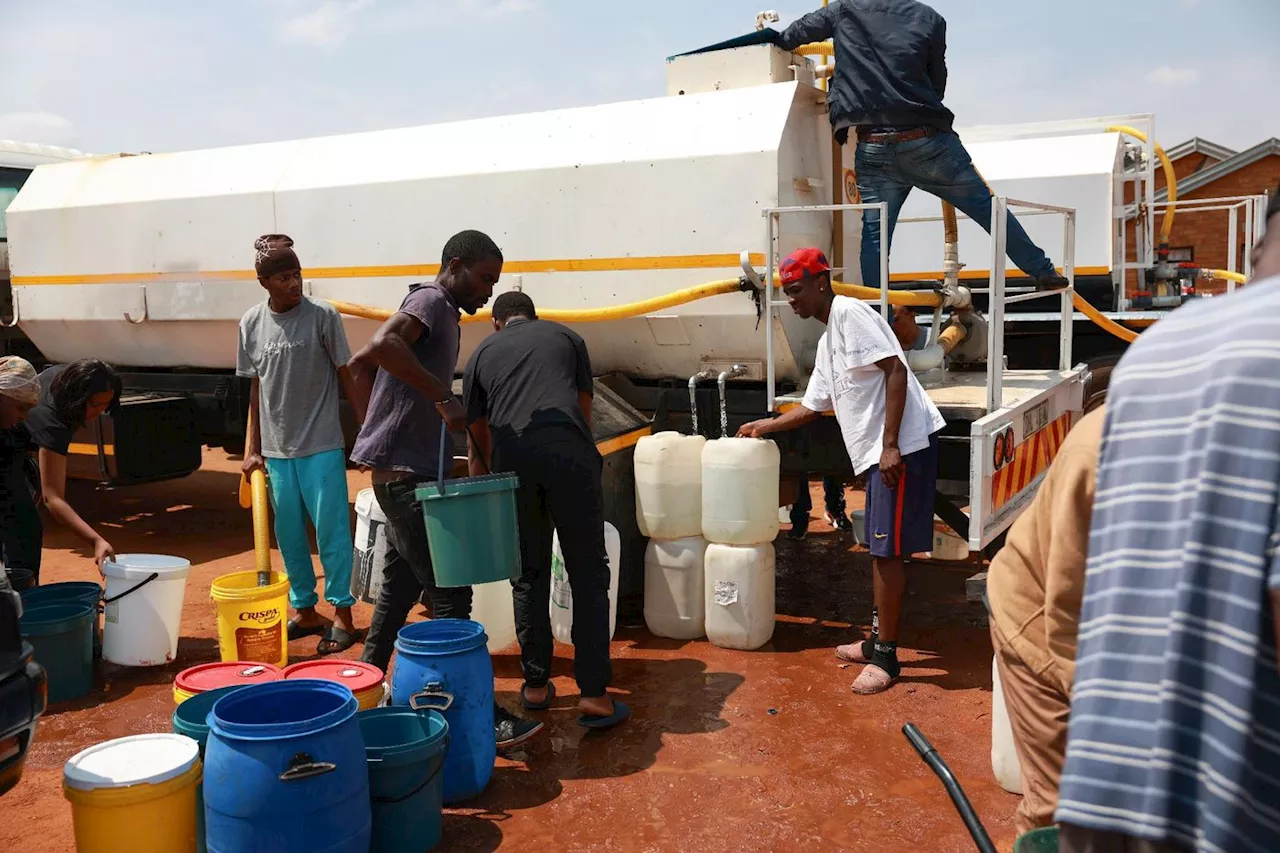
(315, 487)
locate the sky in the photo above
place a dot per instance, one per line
(159, 75)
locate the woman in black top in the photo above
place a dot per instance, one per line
(73, 396)
(19, 393)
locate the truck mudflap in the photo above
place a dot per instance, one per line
(1011, 450)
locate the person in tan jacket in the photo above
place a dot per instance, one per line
(1034, 587)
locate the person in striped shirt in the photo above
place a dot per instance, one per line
(1174, 737)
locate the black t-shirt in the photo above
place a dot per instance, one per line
(19, 471)
(43, 426)
(526, 377)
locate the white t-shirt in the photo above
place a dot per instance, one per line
(846, 379)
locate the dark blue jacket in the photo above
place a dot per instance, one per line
(891, 67)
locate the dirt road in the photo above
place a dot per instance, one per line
(727, 751)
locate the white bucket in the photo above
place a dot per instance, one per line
(1004, 757)
(369, 555)
(493, 606)
(143, 608)
(562, 593)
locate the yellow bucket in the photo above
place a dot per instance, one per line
(135, 793)
(364, 680)
(251, 618)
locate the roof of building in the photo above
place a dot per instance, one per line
(1217, 171)
(1196, 145)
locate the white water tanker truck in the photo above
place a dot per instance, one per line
(650, 227)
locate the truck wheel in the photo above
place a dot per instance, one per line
(1095, 391)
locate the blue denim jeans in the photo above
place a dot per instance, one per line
(939, 165)
(833, 490)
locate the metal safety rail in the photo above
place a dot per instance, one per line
(1252, 208)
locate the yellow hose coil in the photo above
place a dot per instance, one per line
(818, 48)
(1170, 179)
(261, 521)
(921, 299)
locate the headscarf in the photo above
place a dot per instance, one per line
(18, 380)
(274, 255)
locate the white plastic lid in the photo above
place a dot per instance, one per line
(140, 567)
(136, 760)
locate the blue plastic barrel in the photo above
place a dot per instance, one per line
(285, 771)
(406, 752)
(89, 592)
(443, 665)
(62, 636)
(191, 719)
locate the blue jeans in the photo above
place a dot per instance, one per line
(316, 487)
(939, 165)
(834, 493)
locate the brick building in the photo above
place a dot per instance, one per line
(1207, 170)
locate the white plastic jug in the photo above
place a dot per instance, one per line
(669, 485)
(143, 608)
(369, 555)
(562, 593)
(493, 606)
(740, 491)
(740, 595)
(674, 599)
(1004, 758)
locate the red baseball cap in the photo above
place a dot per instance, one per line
(803, 263)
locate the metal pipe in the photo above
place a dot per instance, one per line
(770, 373)
(721, 381)
(700, 376)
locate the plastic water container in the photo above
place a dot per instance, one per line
(562, 592)
(740, 595)
(493, 607)
(88, 592)
(674, 598)
(740, 491)
(191, 719)
(669, 485)
(443, 665)
(143, 608)
(195, 680)
(1004, 758)
(285, 771)
(406, 752)
(252, 622)
(369, 555)
(135, 793)
(364, 680)
(61, 635)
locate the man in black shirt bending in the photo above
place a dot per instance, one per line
(527, 391)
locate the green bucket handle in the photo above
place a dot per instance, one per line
(431, 777)
(444, 442)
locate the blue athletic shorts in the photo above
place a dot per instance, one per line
(900, 521)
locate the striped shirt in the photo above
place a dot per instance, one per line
(1175, 718)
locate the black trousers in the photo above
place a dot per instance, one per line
(407, 574)
(560, 491)
(21, 529)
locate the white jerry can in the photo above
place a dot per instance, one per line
(562, 593)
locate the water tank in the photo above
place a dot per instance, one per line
(740, 595)
(669, 485)
(674, 599)
(740, 491)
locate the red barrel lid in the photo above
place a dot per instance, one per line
(354, 674)
(238, 673)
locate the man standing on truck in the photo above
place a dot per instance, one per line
(890, 78)
(528, 391)
(890, 429)
(406, 375)
(295, 350)
(1174, 738)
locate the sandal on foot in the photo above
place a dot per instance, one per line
(537, 706)
(852, 653)
(872, 680)
(621, 711)
(295, 630)
(335, 640)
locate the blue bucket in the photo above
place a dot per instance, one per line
(59, 593)
(191, 719)
(406, 752)
(443, 665)
(285, 771)
(62, 636)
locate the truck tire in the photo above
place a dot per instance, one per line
(1095, 390)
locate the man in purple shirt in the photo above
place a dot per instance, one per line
(406, 374)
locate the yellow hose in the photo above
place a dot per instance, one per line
(1170, 179)
(818, 48)
(1229, 276)
(261, 522)
(1101, 320)
(922, 299)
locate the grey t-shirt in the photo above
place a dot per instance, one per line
(295, 356)
(402, 428)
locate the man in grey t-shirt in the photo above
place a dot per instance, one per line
(295, 350)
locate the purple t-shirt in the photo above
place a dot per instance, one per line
(402, 428)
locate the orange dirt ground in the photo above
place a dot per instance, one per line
(726, 750)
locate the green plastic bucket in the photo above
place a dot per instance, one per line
(191, 719)
(1044, 840)
(58, 593)
(62, 636)
(471, 527)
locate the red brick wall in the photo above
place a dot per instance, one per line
(1207, 232)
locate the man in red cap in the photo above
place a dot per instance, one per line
(890, 428)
